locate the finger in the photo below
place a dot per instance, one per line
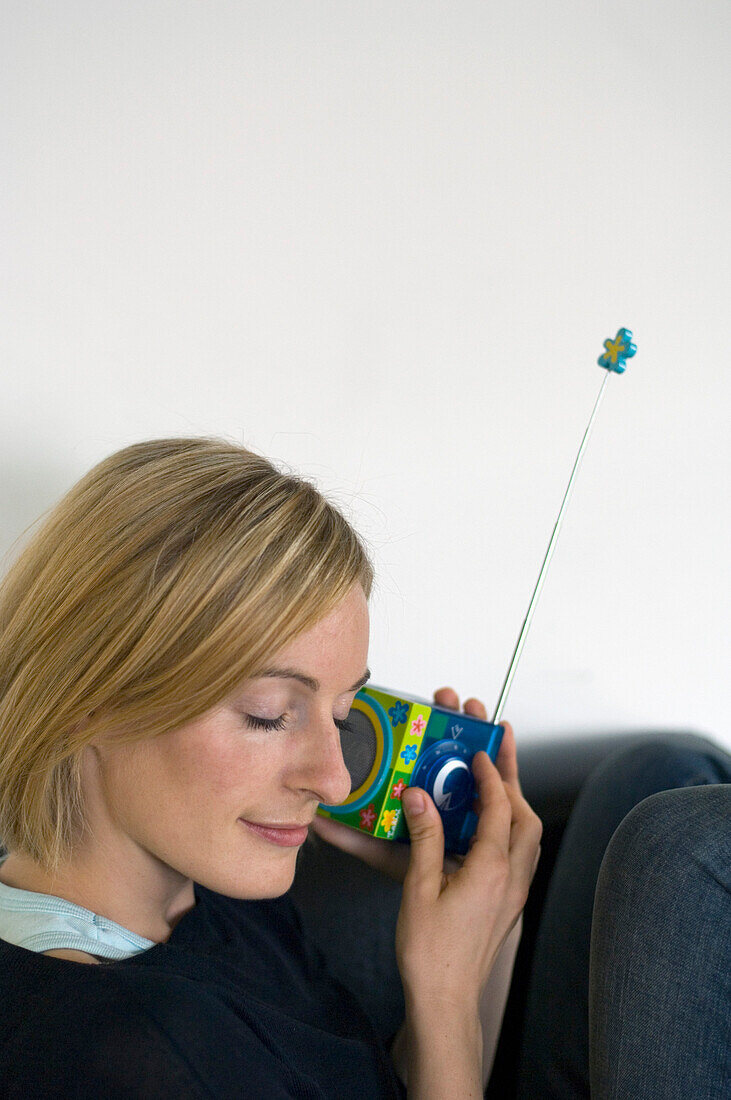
(423, 881)
(526, 830)
(476, 708)
(507, 758)
(506, 762)
(495, 811)
(447, 697)
(514, 825)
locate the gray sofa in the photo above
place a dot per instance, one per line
(350, 910)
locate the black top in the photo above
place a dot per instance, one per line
(236, 1004)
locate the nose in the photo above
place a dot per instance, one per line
(323, 769)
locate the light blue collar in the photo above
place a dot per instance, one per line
(43, 922)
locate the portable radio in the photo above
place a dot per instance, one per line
(394, 742)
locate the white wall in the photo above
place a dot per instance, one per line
(383, 242)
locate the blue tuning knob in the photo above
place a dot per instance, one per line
(445, 773)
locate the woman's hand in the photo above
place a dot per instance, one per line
(388, 856)
(452, 924)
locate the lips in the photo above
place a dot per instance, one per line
(285, 836)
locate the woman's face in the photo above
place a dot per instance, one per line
(180, 798)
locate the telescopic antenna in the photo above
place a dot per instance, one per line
(617, 351)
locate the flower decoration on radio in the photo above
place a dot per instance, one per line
(408, 754)
(398, 790)
(398, 713)
(368, 818)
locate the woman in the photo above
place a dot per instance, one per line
(181, 641)
(179, 645)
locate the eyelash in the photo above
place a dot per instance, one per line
(278, 723)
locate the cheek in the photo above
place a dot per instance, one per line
(196, 780)
(219, 768)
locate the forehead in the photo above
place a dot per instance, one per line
(337, 644)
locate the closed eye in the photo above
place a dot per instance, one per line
(256, 723)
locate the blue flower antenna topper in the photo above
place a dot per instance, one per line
(616, 352)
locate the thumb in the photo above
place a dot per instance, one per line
(426, 833)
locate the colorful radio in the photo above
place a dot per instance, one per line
(392, 743)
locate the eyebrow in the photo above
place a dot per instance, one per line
(308, 681)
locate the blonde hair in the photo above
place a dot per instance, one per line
(169, 573)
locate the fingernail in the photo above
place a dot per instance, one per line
(413, 802)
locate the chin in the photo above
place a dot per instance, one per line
(271, 882)
(278, 881)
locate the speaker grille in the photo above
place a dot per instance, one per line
(359, 745)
